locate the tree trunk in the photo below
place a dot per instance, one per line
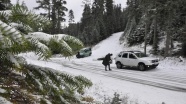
(145, 37)
(146, 25)
(155, 39)
(49, 7)
(145, 43)
(168, 40)
(167, 47)
(53, 17)
(59, 22)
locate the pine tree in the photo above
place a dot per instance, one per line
(5, 4)
(98, 9)
(46, 5)
(61, 9)
(86, 24)
(71, 16)
(86, 2)
(86, 17)
(56, 12)
(146, 3)
(169, 28)
(155, 38)
(134, 13)
(118, 18)
(97, 13)
(109, 17)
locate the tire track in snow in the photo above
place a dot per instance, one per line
(162, 75)
(157, 80)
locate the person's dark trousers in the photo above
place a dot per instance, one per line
(105, 67)
(108, 67)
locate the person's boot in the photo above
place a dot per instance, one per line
(110, 69)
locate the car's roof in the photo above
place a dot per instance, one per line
(131, 52)
(85, 48)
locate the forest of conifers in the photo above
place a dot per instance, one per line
(142, 20)
(148, 21)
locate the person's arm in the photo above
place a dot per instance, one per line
(110, 58)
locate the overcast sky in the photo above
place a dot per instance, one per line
(75, 5)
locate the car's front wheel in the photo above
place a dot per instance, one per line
(141, 67)
(119, 65)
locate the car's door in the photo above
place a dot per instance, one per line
(132, 60)
(124, 58)
(86, 52)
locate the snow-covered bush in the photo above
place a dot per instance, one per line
(118, 99)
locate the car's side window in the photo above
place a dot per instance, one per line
(132, 56)
(125, 55)
(86, 50)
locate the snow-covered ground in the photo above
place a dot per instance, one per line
(105, 85)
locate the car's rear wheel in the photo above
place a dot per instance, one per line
(141, 67)
(119, 65)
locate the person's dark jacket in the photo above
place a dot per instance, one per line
(107, 59)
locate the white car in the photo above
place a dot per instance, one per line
(135, 59)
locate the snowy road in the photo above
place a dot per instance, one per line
(154, 77)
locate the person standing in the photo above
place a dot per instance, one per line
(106, 61)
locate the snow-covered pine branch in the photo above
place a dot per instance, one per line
(10, 32)
(63, 43)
